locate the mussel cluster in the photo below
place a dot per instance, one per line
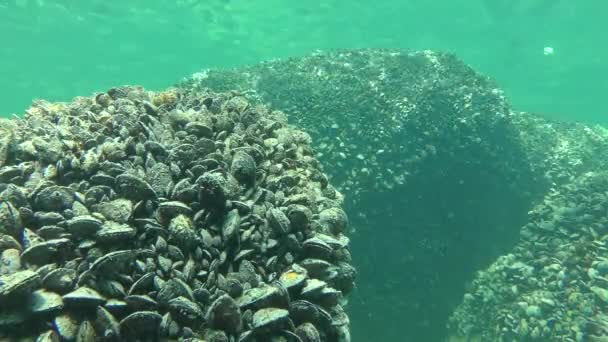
(553, 286)
(389, 118)
(561, 151)
(423, 146)
(134, 215)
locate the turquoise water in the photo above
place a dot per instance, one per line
(549, 56)
(60, 49)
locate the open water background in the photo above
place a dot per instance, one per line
(60, 49)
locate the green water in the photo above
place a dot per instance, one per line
(60, 49)
(548, 55)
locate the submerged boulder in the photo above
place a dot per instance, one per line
(422, 146)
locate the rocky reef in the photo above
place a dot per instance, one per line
(199, 213)
(387, 114)
(559, 151)
(552, 285)
(428, 149)
(138, 215)
(421, 145)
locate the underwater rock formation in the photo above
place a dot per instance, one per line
(553, 285)
(135, 215)
(422, 146)
(559, 151)
(386, 114)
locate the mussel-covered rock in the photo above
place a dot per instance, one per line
(177, 215)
